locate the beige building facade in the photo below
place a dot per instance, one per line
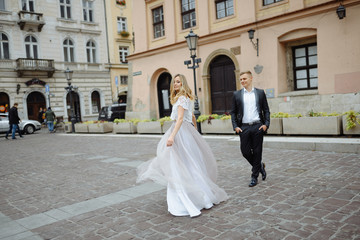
(40, 39)
(302, 54)
(120, 34)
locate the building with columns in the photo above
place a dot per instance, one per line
(303, 54)
(39, 40)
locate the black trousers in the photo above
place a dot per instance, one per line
(251, 146)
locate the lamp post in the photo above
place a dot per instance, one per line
(69, 89)
(191, 40)
(251, 37)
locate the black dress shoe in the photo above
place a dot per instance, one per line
(262, 171)
(253, 182)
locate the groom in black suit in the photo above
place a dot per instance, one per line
(250, 118)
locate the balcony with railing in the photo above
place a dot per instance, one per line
(31, 67)
(30, 20)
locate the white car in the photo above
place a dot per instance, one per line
(26, 126)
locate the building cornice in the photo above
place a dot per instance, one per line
(238, 30)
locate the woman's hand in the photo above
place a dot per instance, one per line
(170, 141)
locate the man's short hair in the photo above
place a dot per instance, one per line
(246, 72)
(16, 104)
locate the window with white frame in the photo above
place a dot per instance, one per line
(4, 47)
(27, 5)
(268, 2)
(123, 53)
(121, 24)
(188, 13)
(69, 49)
(95, 101)
(88, 10)
(158, 22)
(65, 9)
(305, 67)
(2, 5)
(91, 52)
(124, 80)
(31, 47)
(224, 8)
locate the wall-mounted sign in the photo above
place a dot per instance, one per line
(137, 73)
(35, 81)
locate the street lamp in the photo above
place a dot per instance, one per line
(251, 37)
(69, 89)
(191, 40)
(341, 11)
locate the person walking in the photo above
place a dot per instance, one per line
(184, 161)
(50, 117)
(250, 116)
(40, 115)
(14, 121)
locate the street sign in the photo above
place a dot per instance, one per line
(47, 88)
(116, 80)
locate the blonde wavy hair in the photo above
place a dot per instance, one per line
(184, 89)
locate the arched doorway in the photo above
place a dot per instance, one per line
(75, 106)
(222, 84)
(163, 88)
(34, 102)
(122, 97)
(4, 102)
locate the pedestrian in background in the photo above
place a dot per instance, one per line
(250, 116)
(184, 161)
(50, 117)
(14, 121)
(40, 116)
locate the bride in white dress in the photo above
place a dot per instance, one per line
(184, 161)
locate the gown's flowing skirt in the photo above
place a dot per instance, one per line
(188, 169)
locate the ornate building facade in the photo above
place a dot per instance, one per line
(302, 53)
(40, 39)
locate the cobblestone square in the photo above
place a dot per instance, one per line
(70, 186)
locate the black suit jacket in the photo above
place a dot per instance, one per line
(237, 108)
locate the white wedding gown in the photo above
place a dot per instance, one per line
(188, 168)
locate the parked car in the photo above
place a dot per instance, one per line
(26, 126)
(109, 113)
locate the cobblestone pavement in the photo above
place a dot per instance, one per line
(58, 186)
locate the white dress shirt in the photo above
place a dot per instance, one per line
(250, 110)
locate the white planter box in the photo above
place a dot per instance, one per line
(312, 126)
(126, 127)
(81, 128)
(166, 126)
(68, 128)
(353, 131)
(149, 127)
(217, 126)
(100, 127)
(276, 126)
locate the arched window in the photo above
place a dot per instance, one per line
(4, 102)
(31, 47)
(4, 47)
(95, 101)
(68, 51)
(91, 52)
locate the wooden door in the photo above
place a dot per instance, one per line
(222, 84)
(35, 101)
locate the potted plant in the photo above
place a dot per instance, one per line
(315, 123)
(121, 2)
(216, 124)
(351, 123)
(165, 123)
(125, 126)
(124, 33)
(149, 126)
(81, 127)
(99, 126)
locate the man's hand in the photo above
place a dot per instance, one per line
(263, 127)
(238, 130)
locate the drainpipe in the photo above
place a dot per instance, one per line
(108, 50)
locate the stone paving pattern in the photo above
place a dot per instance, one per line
(307, 195)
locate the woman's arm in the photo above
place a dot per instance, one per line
(194, 121)
(178, 123)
